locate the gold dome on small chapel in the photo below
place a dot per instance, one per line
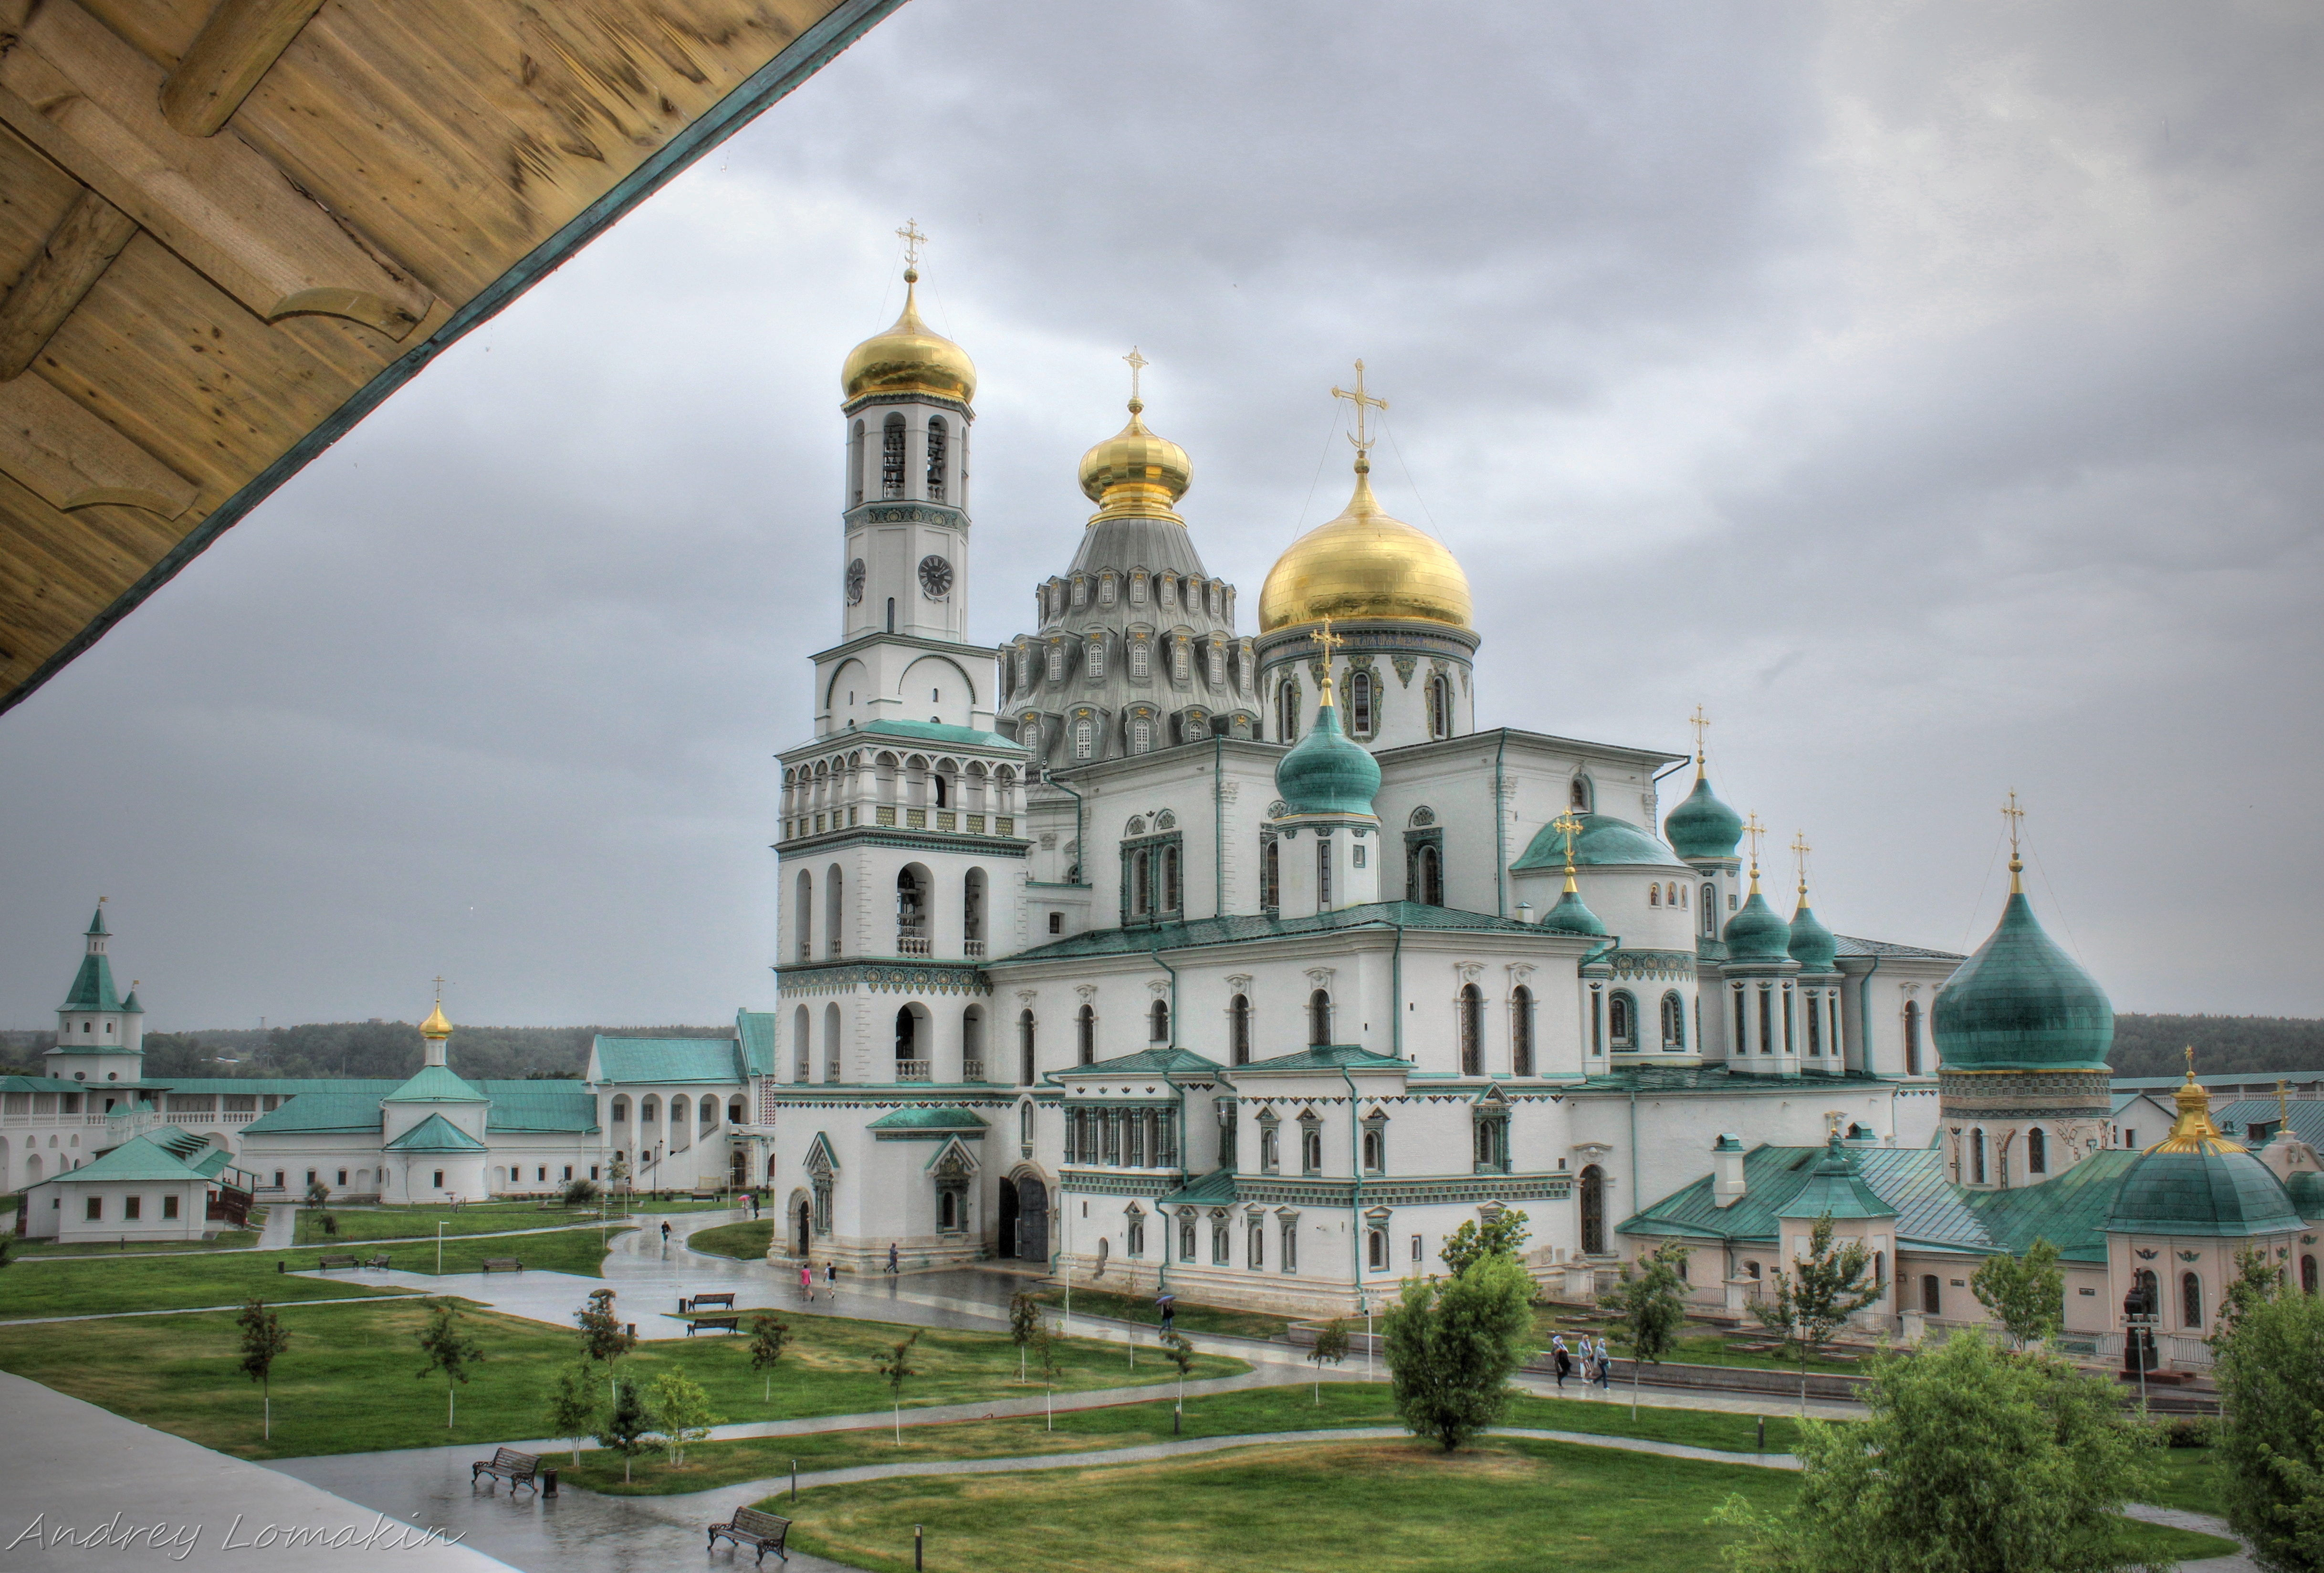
(909, 358)
(436, 1025)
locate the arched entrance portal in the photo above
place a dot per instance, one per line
(1032, 1220)
(802, 1228)
(1593, 1211)
(1007, 1243)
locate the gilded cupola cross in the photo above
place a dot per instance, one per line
(1138, 363)
(1799, 850)
(913, 240)
(1362, 439)
(2015, 815)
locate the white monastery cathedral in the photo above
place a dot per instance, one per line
(1243, 965)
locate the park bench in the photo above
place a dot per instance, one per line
(762, 1531)
(726, 1324)
(503, 1264)
(725, 1298)
(330, 1264)
(379, 1261)
(706, 1195)
(508, 1464)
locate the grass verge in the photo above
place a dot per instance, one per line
(2191, 1481)
(1191, 1318)
(346, 1383)
(224, 1239)
(746, 1241)
(67, 1286)
(357, 1224)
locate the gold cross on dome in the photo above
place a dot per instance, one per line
(1362, 400)
(913, 240)
(1327, 641)
(439, 988)
(2282, 1098)
(1701, 724)
(1567, 826)
(1138, 363)
(1754, 829)
(2014, 814)
(1799, 850)
(2190, 1062)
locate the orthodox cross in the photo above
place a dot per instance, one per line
(913, 240)
(2282, 1098)
(2190, 1062)
(1138, 363)
(2013, 813)
(1799, 850)
(1754, 829)
(1567, 826)
(439, 988)
(1701, 724)
(1327, 641)
(1362, 400)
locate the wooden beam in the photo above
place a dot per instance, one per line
(78, 251)
(92, 104)
(70, 458)
(238, 44)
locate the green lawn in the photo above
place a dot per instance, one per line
(1506, 1505)
(2191, 1481)
(576, 1251)
(747, 1240)
(1699, 1344)
(356, 1224)
(224, 1239)
(1191, 1319)
(346, 1383)
(92, 1286)
(1244, 1412)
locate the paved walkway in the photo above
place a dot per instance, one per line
(2202, 1523)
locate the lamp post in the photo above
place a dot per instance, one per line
(439, 1247)
(2138, 1320)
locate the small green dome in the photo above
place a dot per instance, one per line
(1756, 933)
(1325, 773)
(2306, 1189)
(2021, 1003)
(1811, 944)
(1605, 841)
(1702, 826)
(2207, 1191)
(1571, 917)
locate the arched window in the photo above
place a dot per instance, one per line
(1372, 1152)
(1521, 1031)
(1085, 1036)
(1472, 1030)
(1239, 1028)
(1577, 797)
(1430, 867)
(1270, 874)
(806, 916)
(834, 910)
(1359, 703)
(1932, 1295)
(1056, 663)
(2191, 1299)
(1084, 739)
(1319, 1018)
(1654, 895)
(1025, 1054)
(802, 1047)
(908, 1060)
(1141, 736)
(892, 457)
(1286, 713)
(1976, 1157)
(1673, 1024)
(1186, 1233)
(855, 466)
(1440, 706)
(2308, 1274)
(1912, 1037)
(936, 458)
(892, 613)
(831, 1054)
(912, 914)
(1171, 898)
(1094, 659)
(1815, 1023)
(1141, 657)
(1711, 912)
(1376, 1250)
(1593, 1211)
(1622, 1021)
(1159, 1022)
(1179, 671)
(2037, 1150)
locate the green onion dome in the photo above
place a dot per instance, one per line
(2196, 1181)
(2021, 1003)
(1571, 917)
(1702, 826)
(2306, 1189)
(1810, 943)
(1758, 934)
(1324, 773)
(1604, 842)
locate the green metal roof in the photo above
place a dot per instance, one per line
(96, 924)
(2021, 1003)
(1756, 933)
(1326, 1056)
(1239, 929)
(1834, 1189)
(1215, 1189)
(1702, 826)
(540, 1105)
(47, 1084)
(2237, 1118)
(145, 1157)
(314, 1111)
(937, 732)
(922, 1117)
(1605, 842)
(435, 1084)
(1849, 945)
(1145, 1062)
(757, 1030)
(2206, 1191)
(434, 1135)
(92, 989)
(1714, 1077)
(1571, 915)
(644, 1059)
(1325, 773)
(1810, 944)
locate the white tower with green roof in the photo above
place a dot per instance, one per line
(101, 1034)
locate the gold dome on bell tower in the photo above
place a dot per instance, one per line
(1134, 474)
(910, 357)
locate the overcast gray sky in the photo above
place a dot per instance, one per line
(1932, 391)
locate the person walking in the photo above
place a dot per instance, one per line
(806, 1280)
(665, 1232)
(831, 1278)
(1565, 1358)
(1605, 1363)
(891, 1256)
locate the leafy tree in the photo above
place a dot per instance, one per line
(1652, 1304)
(262, 1342)
(625, 1426)
(1331, 1344)
(1971, 1461)
(1181, 1353)
(1452, 1346)
(318, 1194)
(2257, 1279)
(580, 1192)
(2025, 1294)
(1024, 1320)
(894, 1368)
(680, 1412)
(603, 1338)
(768, 1336)
(448, 1349)
(1811, 1302)
(1502, 1234)
(574, 1406)
(2271, 1375)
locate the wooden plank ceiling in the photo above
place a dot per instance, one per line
(229, 228)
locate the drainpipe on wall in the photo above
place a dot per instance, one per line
(1355, 1206)
(1081, 853)
(1396, 993)
(1218, 830)
(1500, 833)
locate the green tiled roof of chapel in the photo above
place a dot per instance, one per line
(92, 990)
(434, 1135)
(1145, 1062)
(1605, 841)
(757, 1030)
(1327, 1056)
(148, 1157)
(1215, 1189)
(924, 1117)
(435, 1084)
(1238, 930)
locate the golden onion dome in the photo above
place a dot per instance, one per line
(1364, 566)
(909, 358)
(435, 1026)
(1135, 474)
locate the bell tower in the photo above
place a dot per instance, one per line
(903, 653)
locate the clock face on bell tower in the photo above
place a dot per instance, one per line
(936, 577)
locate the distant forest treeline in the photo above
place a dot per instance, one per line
(2142, 1046)
(378, 1050)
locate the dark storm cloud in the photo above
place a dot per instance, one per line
(1929, 391)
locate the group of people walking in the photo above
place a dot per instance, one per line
(1592, 1361)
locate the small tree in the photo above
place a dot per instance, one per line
(580, 1192)
(680, 1412)
(895, 1366)
(1024, 1320)
(1331, 1344)
(1823, 1289)
(1502, 1234)
(1181, 1353)
(603, 1338)
(1652, 1303)
(1044, 1345)
(448, 1349)
(574, 1406)
(2025, 1294)
(1452, 1346)
(625, 1426)
(768, 1336)
(2271, 1375)
(317, 1193)
(263, 1341)
(1972, 1459)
